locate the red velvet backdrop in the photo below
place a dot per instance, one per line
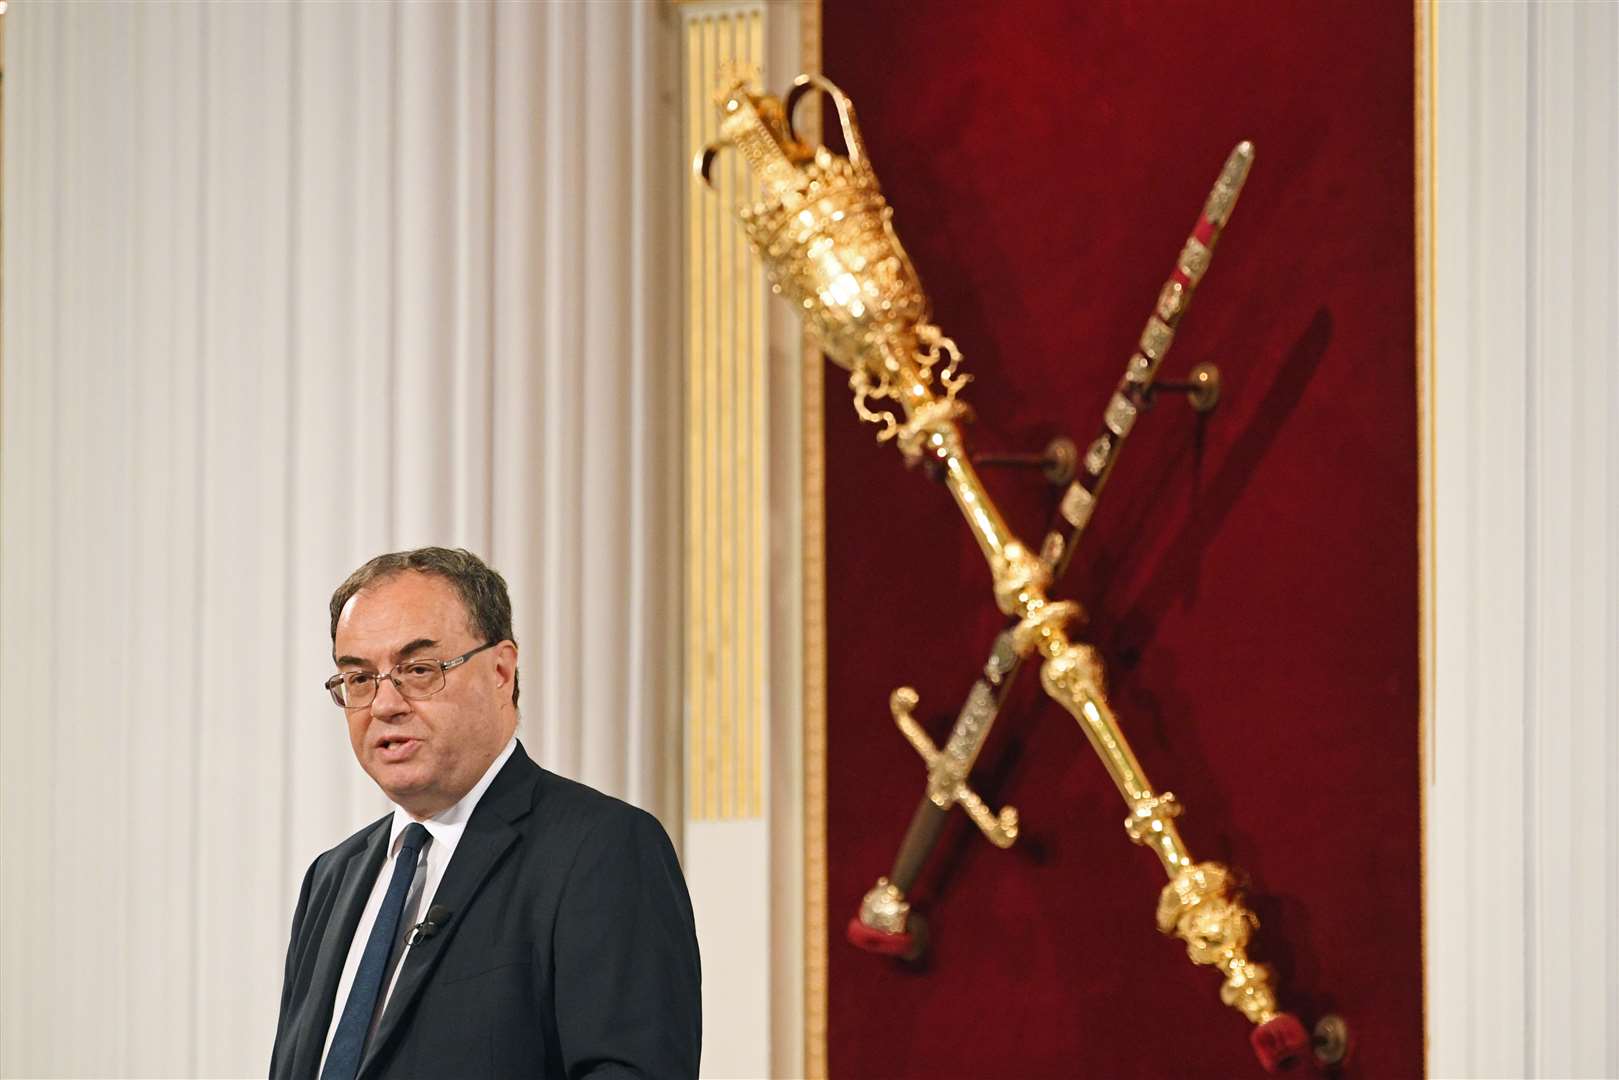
(1252, 579)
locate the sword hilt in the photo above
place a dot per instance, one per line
(947, 768)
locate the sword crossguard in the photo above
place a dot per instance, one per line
(999, 829)
(947, 773)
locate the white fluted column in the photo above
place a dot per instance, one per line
(1523, 784)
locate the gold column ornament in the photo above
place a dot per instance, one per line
(825, 233)
(726, 534)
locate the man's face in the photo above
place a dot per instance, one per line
(425, 754)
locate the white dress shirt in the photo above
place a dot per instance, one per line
(444, 831)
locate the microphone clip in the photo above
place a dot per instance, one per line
(437, 916)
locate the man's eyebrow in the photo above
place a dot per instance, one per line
(415, 646)
(410, 647)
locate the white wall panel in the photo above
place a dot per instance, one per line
(285, 286)
(1523, 839)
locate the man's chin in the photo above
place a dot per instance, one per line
(405, 782)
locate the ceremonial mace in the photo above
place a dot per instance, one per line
(826, 236)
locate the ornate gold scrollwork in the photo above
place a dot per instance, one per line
(1203, 906)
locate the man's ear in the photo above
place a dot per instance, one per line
(505, 666)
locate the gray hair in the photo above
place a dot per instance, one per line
(482, 589)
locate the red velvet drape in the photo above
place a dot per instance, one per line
(1252, 578)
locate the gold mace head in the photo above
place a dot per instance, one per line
(825, 234)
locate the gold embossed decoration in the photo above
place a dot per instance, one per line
(825, 234)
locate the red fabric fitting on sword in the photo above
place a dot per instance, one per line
(1280, 1043)
(864, 937)
(1204, 231)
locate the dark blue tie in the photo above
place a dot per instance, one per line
(343, 1059)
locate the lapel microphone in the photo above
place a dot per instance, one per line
(437, 916)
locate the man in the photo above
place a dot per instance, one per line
(502, 920)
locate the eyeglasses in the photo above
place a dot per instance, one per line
(416, 678)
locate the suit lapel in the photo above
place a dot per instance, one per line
(359, 873)
(489, 833)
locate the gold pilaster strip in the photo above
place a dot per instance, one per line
(709, 385)
(814, 631)
(727, 549)
(724, 465)
(1426, 197)
(710, 602)
(758, 708)
(696, 125)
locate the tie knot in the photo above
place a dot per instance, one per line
(412, 839)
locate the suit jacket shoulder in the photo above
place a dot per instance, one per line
(568, 812)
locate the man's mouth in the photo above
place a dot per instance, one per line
(397, 747)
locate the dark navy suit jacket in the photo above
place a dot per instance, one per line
(570, 949)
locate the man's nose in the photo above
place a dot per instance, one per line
(388, 701)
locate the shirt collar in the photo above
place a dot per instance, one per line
(448, 824)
